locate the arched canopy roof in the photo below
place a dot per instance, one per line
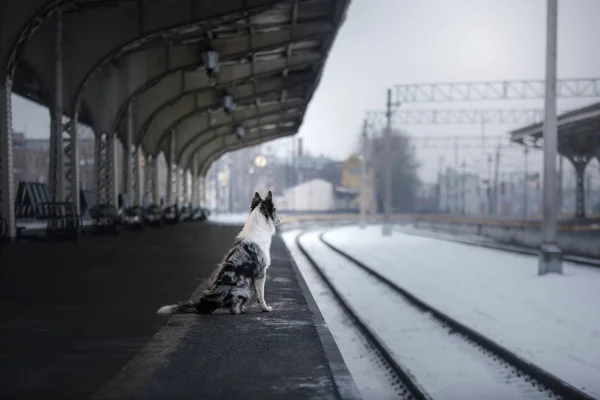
(272, 53)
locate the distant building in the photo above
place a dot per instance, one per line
(462, 193)
(30, 159)
(318, 195)
(427, 198)
(352, 178)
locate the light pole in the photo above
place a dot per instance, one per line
(550, 254)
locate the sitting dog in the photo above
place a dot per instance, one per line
(244, 266)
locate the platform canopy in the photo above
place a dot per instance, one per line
(578, 133)
(150, 57)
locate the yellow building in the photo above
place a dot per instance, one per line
(351, 178)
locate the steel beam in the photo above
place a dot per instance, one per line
(494, 90)
(467, 117)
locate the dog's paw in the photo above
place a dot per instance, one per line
(267, 309)
(243, 310)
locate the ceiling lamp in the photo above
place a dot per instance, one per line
(228, 105)
(240, 132)
(210, 59)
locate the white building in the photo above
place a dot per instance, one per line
(462, 193)
(317, 195)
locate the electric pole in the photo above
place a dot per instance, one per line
(363, 176)
(464, 186)
(495, 189)
(550, 255)
(525, 184)
(387, 167)
(489, 185)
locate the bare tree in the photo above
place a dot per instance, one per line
(405, 180)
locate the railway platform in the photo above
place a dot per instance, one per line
(78, 321)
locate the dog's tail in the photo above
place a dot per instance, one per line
(181, 308)
(204, 306)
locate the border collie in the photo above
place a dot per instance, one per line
(244, 266)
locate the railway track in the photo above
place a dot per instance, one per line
(431, 354)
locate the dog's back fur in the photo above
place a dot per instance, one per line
(244, 266)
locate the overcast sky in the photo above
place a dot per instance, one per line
(387, 42)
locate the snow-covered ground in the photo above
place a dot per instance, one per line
(553, 321)
(372, 380)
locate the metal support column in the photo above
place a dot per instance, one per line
(172, 174)
(184, 192)
(203, 191)
(154, 181)
(150, 187)
(106, 189)
(56, 167)
(387, 170)
(195, 184)
(138, 176)
(580, 163)
(363, 177)
(71, 162)
(128, 155)
(550, 255)
(7, 193)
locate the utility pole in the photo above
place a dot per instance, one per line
(440, 174)
(387, 168)
(464, 187)
(456, 153)
(489, 188)
(495, 190)
(550, 255)
(560, 183)
(525, 184)
(363, 177)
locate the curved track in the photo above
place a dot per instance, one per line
(468, 352)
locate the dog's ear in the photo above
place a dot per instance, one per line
(269, 197)
(255, 201)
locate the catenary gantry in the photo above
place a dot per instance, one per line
(137, 70)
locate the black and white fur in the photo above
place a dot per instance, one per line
(244, 266)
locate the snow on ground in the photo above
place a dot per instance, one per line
(372, 380)
(228, 219)
(551, 320)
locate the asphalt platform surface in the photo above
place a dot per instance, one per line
(78, 321)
